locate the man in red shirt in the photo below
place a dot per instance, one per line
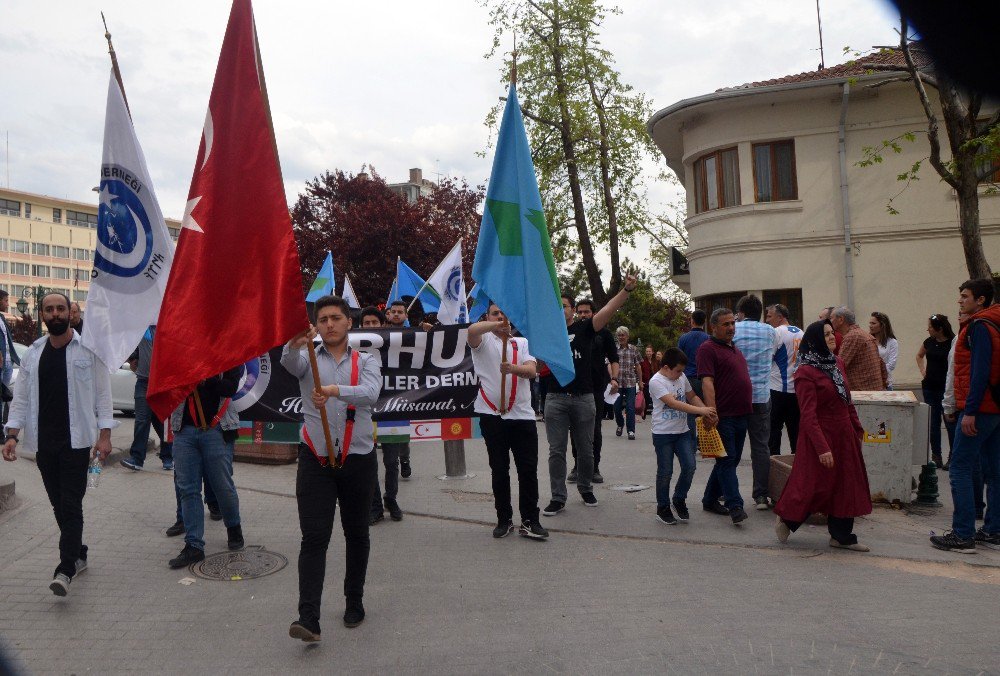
(725, 381)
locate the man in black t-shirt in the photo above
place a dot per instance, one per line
(605, 355)
(570, 409)
(62, 403)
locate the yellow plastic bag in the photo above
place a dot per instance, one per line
(709, 441)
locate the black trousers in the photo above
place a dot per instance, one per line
(518, 438)
(841, 528)
(784, 411)
(599, 405)
(390, 459)
(64, 475)
(318, 489)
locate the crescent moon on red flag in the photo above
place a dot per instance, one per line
(208, 133)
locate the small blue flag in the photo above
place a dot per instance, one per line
(408, 283)
(514, 265)
(324, 284)
(480, 303)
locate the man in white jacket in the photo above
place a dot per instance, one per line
(62, 402)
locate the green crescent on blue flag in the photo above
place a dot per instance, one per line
(514, 265)
(324, 284)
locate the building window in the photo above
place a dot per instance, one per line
(18, 290)
(81, 254)
(39, 249)
(41, 271)
(19, 246)
(791, 299)
(4, 244)
(726, 300)
(61, 273)
(988, 168)
(79, 295)
(27, 210)
(19, 269)
(3, 267)
(10, 208)
(717, 180)
(774, 171)
(174, 232)
(60, 251)
(57, 215)
(81, 219)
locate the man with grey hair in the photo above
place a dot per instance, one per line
(725, 382)
(865, 370)
(630, 375)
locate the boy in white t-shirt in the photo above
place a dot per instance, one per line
(673, 399)
(508, 424)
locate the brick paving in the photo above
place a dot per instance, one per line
(612, 591)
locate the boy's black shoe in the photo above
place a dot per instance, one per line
(682, 511)
(666, 516)
(404, 468)
(589, 499)
(988, 540)
(715, 508)
(214, 512)
(738, 515)
(300, 631)
(395, 513)
(553, 508)
(354, 615)
(176, 529)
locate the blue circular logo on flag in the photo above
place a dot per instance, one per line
(253, 383)
(124, 233)
(452, 289)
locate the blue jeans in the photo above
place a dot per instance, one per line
(143, 421)
(666, 447)
(210, 498)
(723, 481)
(984, 448)
(626, 401)
(204, 454)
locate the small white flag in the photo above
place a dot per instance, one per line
(449, 283)
(349, 295)
(134, 250)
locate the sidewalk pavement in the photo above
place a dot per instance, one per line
(612, 591)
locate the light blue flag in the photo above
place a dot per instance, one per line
(480, 303)
(514, 265)
(324, 284)
(409, 283)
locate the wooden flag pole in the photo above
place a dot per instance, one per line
(331, 452)
(114, 64)
(503, 360)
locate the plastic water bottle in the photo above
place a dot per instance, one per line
(94, 472)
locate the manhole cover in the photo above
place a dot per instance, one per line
(246, 564)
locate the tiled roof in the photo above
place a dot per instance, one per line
(885, 60)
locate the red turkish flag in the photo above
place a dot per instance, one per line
(235, 290)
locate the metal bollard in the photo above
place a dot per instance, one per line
(454, 461)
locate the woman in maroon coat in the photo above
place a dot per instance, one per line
(828, 474)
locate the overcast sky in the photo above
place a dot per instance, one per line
(388, 83)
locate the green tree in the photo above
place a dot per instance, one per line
(655, 319)
(974, 143)
(585, 125)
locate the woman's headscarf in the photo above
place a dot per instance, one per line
(814, 352)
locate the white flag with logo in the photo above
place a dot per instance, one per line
(349, 295)
(447, 280)
(134, 250)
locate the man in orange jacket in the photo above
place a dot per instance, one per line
(977, 439)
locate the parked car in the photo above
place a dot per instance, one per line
(122, 384)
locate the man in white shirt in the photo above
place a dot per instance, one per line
(507, 419)
(62, 402)
(784, 403)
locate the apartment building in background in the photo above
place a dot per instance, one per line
(49, 242)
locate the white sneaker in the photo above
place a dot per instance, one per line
(81, 565)
(60, 585)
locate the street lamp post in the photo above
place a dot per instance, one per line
(22, 303)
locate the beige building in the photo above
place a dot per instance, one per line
(777, 205)
(417, 186)
(49, 242)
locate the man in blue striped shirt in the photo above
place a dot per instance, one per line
(758, 342)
